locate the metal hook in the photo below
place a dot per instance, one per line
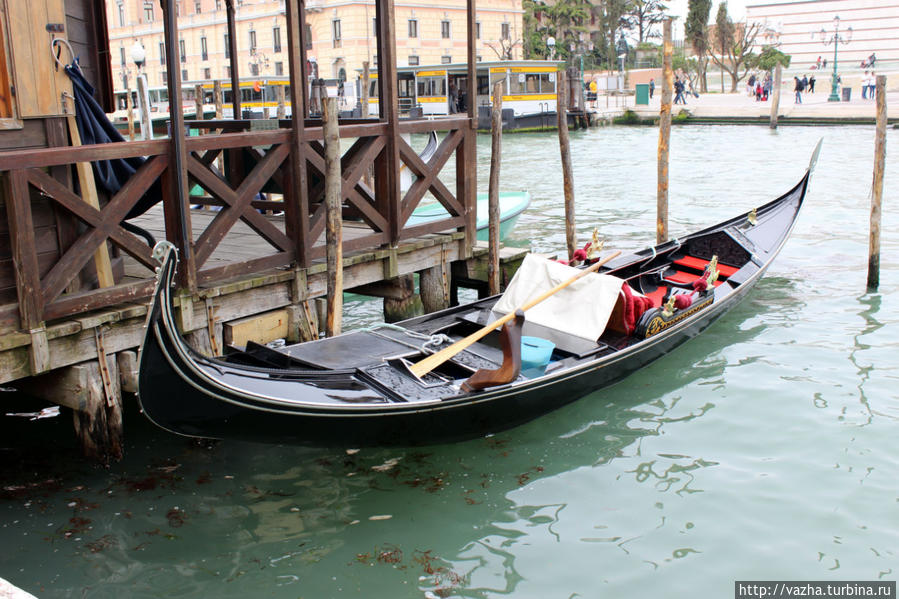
(65, 42)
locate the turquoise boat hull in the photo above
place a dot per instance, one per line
(511, 205)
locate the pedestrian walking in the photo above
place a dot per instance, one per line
(797, 87)
(865, 86)
(811, 84)
(652, 87)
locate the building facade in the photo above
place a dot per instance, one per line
(800, 29)
(340, 36)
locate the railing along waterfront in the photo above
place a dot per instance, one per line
(48, 283)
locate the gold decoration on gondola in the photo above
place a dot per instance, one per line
(712, 268)
(752, 217)
(596, 246)
(668, 308)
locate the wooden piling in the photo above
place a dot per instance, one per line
(493, 190)
(217, 92)
(880, 150)
(565, 149)
(282, 108)
(664, 137)
(198, 104)
(775, 102)
(334, 225)
(129, 106)
(366, 76)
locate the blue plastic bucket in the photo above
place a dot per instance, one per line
(535, 352)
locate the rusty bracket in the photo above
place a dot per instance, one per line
(105, 376)
(210, 325)
(444, 272)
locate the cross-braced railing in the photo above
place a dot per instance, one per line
(234, 169)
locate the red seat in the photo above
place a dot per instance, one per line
(699, 264)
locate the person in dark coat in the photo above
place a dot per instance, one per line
(797, 87)
(652, 87)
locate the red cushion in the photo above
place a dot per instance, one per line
(700, 264)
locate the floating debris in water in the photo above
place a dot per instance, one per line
(387, 465)
(381, 517)
(50, 412)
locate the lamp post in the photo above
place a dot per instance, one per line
(139, 56)
(551, 44)
(836, 39)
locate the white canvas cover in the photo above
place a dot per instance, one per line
(582, 309)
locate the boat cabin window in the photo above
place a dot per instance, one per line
(533, 83)
(483, 85)
(373, 89)
(406, 88)
(432, 86)
(250, 95)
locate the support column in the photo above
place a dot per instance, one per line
(176, 209)
(234, 62)
(296, 209)
(387, 181)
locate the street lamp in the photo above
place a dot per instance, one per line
(139, 56)
(836, 39)
(551, 44)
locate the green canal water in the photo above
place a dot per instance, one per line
(765, 449)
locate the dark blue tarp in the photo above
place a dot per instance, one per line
(95, 128)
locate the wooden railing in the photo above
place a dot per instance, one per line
(254, 161)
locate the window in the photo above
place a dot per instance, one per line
(198, 7)
(124, 80)
(276, 39)
(413, 28)
(148, 12)
(445, 29)
(374, 26)
(254, 69)
(335, 32)
(161, 53)
(413, 61)
(252, 40)
(227, 47)
(279, 68)
(431, 86)
(204, 49)
(477, 30)
(375, 59)
(446, 59)
(307, 35)
(182, 49)
(122, 55)
(504, 31)
(184, 76)
(165, 77)
(207, 73)
(228, 72)
(121, 15)
(218, 4)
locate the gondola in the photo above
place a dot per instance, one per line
(370, 387)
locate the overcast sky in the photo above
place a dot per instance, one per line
(735, 8)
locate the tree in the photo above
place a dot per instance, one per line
(770, 57)
(733, 46)
(642, 16)
(696, 32)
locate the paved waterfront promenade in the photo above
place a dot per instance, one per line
(739, 105)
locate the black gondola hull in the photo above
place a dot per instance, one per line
(191, 395)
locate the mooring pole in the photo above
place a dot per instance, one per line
(775, 103)
(366, 77)
(333, 223)
(664, 137)
(565, 149)
(880, 151)
(496, 122)
(129, 106)
(198, 102)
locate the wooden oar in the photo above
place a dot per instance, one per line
(89, 195)
(428, 364)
